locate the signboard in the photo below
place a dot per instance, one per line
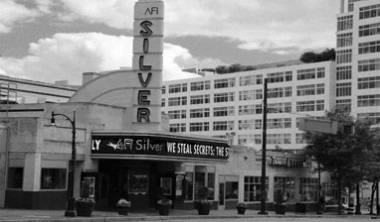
(286, 162)
(153, 145)
(148, 31)
(319, 125)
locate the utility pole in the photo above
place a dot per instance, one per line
(263, 151)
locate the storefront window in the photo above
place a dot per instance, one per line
(232, 190)
(15, 177)
(138, 181)
(308, 189)
(211, 185)
(252, 188)
(188, 186)
(200, 179)
(287, 187)
(53, 178)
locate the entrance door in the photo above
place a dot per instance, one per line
(221, 195)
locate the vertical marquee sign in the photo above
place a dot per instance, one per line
(148, 30)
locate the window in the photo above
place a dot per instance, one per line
(287, 187)
(199, 126)
(374, 118)
(279, 92)
(344, 56)
(369, 82)
(53, 178)
(307, 90)
(163, 90)
(279, 108)
(175, 101)
(308, 189)
(304, 74)
(250, 109)
(247, 124)
(224, 83)
(223, 125)
(232, 189)
(162, 102)
(251, 80)
(344, 40)
(175, 88)
(369, 100)
(321, 72)
(177, 127)
(369, 65)
(199, 99)
(279, 123)
(251, 94)
(204, 176)
(138, 181)
(306, 106)
(199, 113)
(345, 23)
(343, 72)
(224, 111)
(15, 177)
(252, 188)
(369, 11)
(184, 87)
(279, 138)
(177, 114)
(343, 89)
(224, 97)
(369, 30)
(280, 77)
(188, 185)
(343, 104)
(369, 47)
(201, 85)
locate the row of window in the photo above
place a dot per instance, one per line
(369, 11)
(369, 65)
(303, 90)
(343, 89)
(344, 40)
(369, 82)
(369, 30)
(369, 100)
(374, 118)
(344, 56)
(345, 23)
(51, 178)
(369, 47)
(251, 139)
(246, 80)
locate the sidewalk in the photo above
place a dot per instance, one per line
(8, 215)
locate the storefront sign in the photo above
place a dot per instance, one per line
(287, 162)
(147, 60)
(153, 145)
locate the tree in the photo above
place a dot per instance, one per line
(334, 152)
(309, 57)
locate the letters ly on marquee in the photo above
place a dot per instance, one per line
(149, 17)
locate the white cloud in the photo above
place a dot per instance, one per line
(267, 25)
(11, 13)
(114, 13)
(67, 56)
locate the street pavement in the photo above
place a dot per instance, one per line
(8, 215)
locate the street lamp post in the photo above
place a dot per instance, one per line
(263, 151)
(70, 206)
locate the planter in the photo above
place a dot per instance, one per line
(241, 210)
(203, 208)
(163, 209)
(122, 210)
(280, 208)
(84, 208)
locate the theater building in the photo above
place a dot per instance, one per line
(125, 148)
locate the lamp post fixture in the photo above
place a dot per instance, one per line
(70, 205)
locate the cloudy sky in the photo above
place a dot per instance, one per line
(50, 40)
